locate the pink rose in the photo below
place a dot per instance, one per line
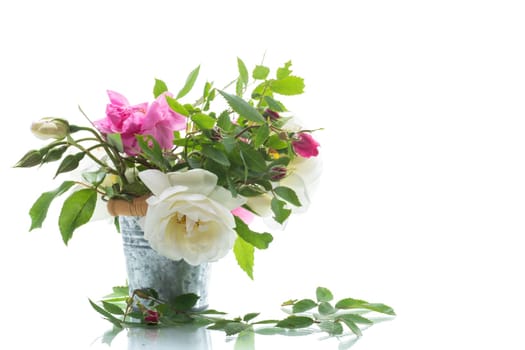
(157, 120)
(124, 119)
(161, 121)
(305, 145)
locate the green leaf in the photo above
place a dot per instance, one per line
(232, 328)
(176, 106)
(216, 155)
(54, 154)
(184, 302)
(352, 326)
(350, 303)
(294, 322)
(38, 211)
(243, 72)
(303, 305)
(261, 135)
(159, 88)
(274, 105)
(107, 315)
(224, 122)
(355, 318)
(279, 211)
(153, 153)
(323, 294)
(203, 121)
(331, 327)
(258, 240)
(112, 308)
(243, 108)
(275, 142)
(284, 71)
(244, 253)
(30, 159)
(70, 163)
(94, 177)
(260, 72)
(254, 159)
(290, 85)
(325, 308)
(245, 340)
(76, 211)
(250, 316)
(288, 195)
(115, 140)
(190, 81)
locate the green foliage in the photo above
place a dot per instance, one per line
(243, 108)
(159, 88)
(244, 253)
(190, 81)
(180, 311)
(38, 211)
(76, 211)
(258, 240)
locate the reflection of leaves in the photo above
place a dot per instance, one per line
(109, 336)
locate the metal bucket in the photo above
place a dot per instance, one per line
(147, 269)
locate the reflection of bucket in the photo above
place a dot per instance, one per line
(184, 338)
(147, 269)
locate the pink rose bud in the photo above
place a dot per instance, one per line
(305, 145)
(50, 128)
(272, 114)
(277, 173)
(151, 317)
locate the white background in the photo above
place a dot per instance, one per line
(421, 204)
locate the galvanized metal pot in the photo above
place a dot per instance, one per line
(147, 269)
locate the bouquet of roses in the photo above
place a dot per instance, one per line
(201, 175)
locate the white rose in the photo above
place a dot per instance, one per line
(189, 217)
(50, 128)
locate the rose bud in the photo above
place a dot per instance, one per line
(277, 173)
(271, 114)
(305, 145)
(50, 128)
(151, 317)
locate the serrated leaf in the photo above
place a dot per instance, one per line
(216, 155)
(331, 327)
(279, 211)
(184, 302)
(325, 308)
(258, 240)
(290, 85)
(243, 72)
(76, 211)
(38, 211)
(153, 153)
(190, 81)
(243, 108)
(261, 135)
(159, 88)
(323, 294)
(355, 318)
(288, 195)
(70, 163)
(294, 322)
(352, 326)
(203, 121)
(284, 71)
(176, 106)
(112, 308)
(115, 140)
(260, 72)
(250, 316)
(303, 305)
(224, 122)
(254, 159)
(244, 253)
